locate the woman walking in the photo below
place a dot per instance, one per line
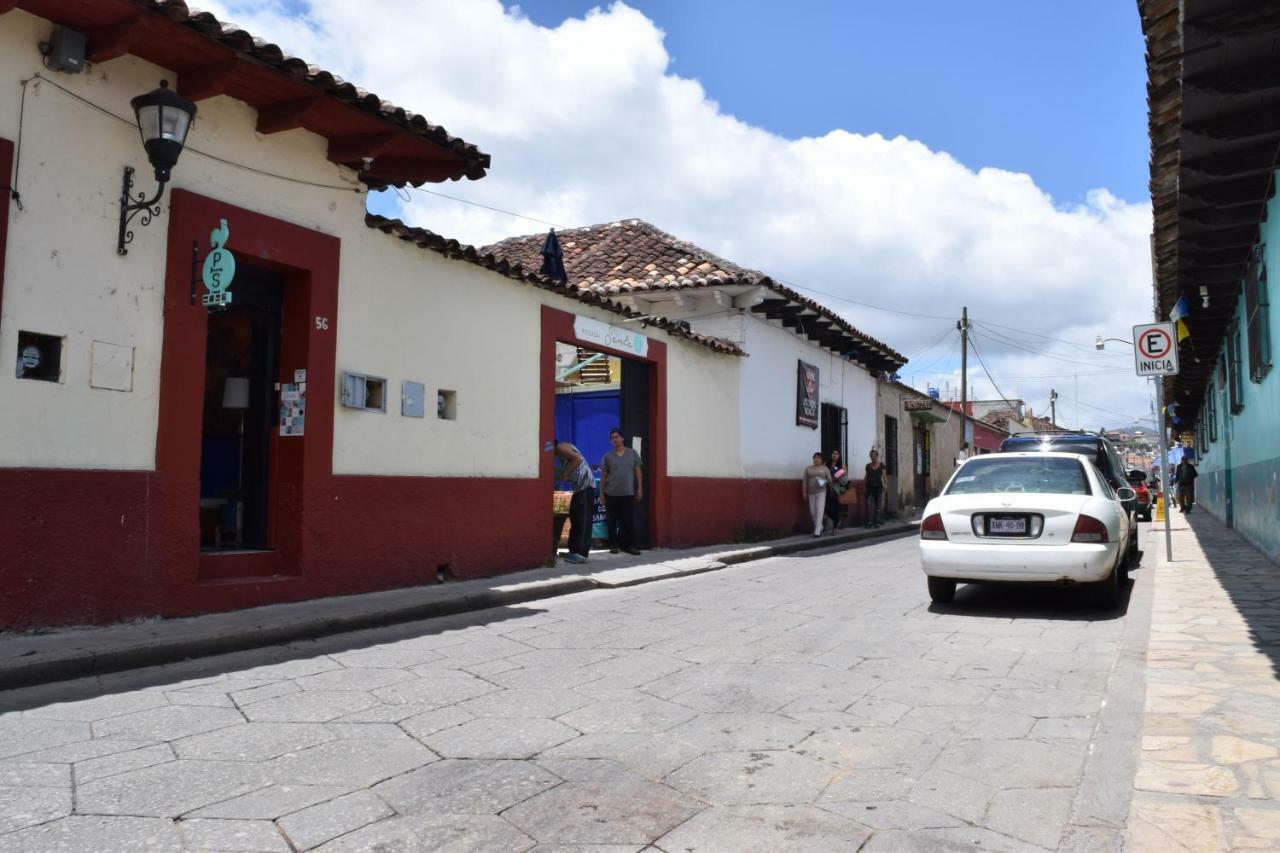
(836, 487)
(814, 488)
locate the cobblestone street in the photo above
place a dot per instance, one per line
(805, 703)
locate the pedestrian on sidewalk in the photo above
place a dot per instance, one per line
(874, 480)
(574, 469)
(1186, 475)
(813, 486)
(838, 484)
(621, 486)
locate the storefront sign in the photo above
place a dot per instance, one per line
(595, 332)
(807, 395)
(917, 405)
(219, 268)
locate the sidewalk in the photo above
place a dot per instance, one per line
(1208, 774)
(31, 659)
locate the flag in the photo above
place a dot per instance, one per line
(1181, 309)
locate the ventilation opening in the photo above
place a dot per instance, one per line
(447, 405)
(444, 573)
(39, 357)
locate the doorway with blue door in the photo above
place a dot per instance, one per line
(588, 406)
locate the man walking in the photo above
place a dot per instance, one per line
(621, 485)
(575, 470)
(1186, 474)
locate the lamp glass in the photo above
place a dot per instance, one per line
(235, 393)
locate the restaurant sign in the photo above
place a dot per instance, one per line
(917, 405)
(807, 395)
(602, 334)
(219, 269)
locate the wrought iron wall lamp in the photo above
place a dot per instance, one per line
(164, 118)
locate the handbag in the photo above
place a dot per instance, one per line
(848, 497)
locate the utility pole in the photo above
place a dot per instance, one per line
(963, 326)
(1053, 408)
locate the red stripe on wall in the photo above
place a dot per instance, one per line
(711, 510)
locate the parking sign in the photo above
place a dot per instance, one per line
(1155, 349)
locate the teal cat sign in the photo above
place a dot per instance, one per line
(219, 268)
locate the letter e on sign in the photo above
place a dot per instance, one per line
(1155, 349)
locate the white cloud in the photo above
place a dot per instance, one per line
(587, 123)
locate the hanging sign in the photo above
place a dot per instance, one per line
(807, 395)
(219, 268)
(1155, 349)
(595, 332)
(917, 405)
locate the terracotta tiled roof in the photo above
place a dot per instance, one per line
(425, 239)
(632, 256)
(213, 57)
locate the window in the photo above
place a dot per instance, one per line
(1212, 413)
(1049, 475)
(890, 446)
(447, 405)
(1235, 392)
(364, 392)
(39, 357)
(1257, 309)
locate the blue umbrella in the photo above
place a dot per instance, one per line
(553, 258)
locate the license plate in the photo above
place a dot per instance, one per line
(1006, 525)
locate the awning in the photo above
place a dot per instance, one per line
(927, 417)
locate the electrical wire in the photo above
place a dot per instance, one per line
(987, 336)
(936, 341)
(490, 207)
(1039, 348)
(974, 346)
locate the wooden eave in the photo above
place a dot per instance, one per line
(387, 145)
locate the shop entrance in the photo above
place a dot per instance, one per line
(595, 393)
(242, 356)
(920, 454)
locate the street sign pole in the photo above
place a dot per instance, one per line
(1155, 353)
(1165, 479)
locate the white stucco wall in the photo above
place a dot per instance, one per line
(404, 312)
(62, 274)
(773, 446)
(703, 430)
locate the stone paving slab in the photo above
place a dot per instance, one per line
(1208, 775)
(62, 655)
(816, 702)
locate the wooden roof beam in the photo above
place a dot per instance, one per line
(1257, 123)
(412, 170)
(1229, 217)
(354, 149)
(1255, 19)
(1238, 79)
(770, 308)
(286, 115)
(1241, 191)
(113, 41)
(207, 81)
(1254, 160)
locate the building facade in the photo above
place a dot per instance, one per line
(371, 410)
(919, 440)
(1213, 179)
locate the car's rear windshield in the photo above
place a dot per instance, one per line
(1051, 475)
(1084, 448)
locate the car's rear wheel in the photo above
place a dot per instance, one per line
(942, 590)
(1107, 592)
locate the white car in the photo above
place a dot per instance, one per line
(1032, 517)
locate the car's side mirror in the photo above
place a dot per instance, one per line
(1126, 494)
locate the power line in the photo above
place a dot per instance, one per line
(982, 362)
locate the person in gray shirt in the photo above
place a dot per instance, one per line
(621, 485)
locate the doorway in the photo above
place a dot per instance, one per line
(920, 456)
(595, 393)
(835, 432)
(242, 357)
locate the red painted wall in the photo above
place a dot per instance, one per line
(707, 510)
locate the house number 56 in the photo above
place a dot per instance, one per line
(322, 323)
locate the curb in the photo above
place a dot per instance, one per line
(17, 672)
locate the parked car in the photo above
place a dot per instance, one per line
(1039, 517)
(1138, 482)
(1097, 450)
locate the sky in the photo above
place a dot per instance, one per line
(897, 161)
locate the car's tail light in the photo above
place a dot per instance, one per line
(931, 528)
(1089, 529)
